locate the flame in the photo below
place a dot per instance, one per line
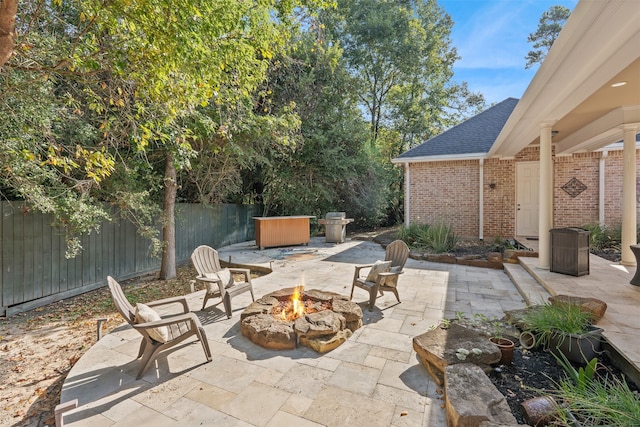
(297, 303)
(295, 307)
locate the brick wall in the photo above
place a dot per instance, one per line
(499, 198)
(569, 211)
(448, 191)
(613, 184)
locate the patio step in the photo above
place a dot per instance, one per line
(529, 287)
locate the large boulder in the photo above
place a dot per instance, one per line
(453, 344)
(471, 398)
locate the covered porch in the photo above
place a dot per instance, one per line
(584, 97)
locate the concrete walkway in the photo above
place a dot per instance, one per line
(373, 379)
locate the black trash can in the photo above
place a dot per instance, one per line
(570, 251)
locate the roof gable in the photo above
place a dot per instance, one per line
(475, 135)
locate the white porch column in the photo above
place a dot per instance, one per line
(629, 236)
(545, 218)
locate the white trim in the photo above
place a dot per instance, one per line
(545, 217)
(629, 194)
(601, 186)
(598, 41)
(481, 197)
(407, 197)
(440, 158)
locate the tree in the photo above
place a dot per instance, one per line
(400, 54)
(330, 167)
(549, 26)
(400, 57)
(8, 10)
(100, 96)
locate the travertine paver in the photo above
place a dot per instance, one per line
(373, 379)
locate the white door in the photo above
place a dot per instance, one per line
(527, 184)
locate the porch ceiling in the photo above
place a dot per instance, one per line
(572, 90)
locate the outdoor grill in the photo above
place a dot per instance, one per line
(335, 225)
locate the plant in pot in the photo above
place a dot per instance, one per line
(505, 345)
(566, 329)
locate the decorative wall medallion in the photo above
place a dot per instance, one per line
(574, 187)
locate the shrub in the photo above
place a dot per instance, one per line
(608, 401)
(412, 235)
(441, 238)
(549, 319)
(438, 238)
(604, 237)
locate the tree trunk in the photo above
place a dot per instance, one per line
(168, 266)
(8, 10)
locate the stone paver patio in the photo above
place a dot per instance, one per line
(373, 379)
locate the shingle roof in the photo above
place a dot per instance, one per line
(475, 135)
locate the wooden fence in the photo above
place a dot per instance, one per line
(35, 271)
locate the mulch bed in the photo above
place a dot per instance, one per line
(535, 372)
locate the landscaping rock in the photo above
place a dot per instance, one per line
(494, 257)
(471, 398)
(263, 305)
(319, 324)
(262, 330)
(442, 258)
(593, 306)
(479, 262)
(326, 343)
(440, 347)
(351, 311)
(493, 424)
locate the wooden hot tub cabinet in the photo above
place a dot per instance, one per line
(282, 230)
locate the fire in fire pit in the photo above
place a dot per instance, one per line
(295, 306)
(288, 317)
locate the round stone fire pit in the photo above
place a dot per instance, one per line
(329, 319)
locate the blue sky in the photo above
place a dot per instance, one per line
(491, 37)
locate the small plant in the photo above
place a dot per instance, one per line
(439, 237)
(602, 237)
(608, 401)
(583, 376)
(496, 331)
(480, 318)
(548, 320)
(411, 234)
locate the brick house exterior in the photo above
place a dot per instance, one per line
(446, 188)
(480, 176)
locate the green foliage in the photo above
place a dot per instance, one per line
(549, 27)
(604, 237)
(411, 234)
(441, 237)
(327, 166)
(438, 237)
(581, 377)
(401, 58)
(548, 320)
(608, 401)
(99, 94)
